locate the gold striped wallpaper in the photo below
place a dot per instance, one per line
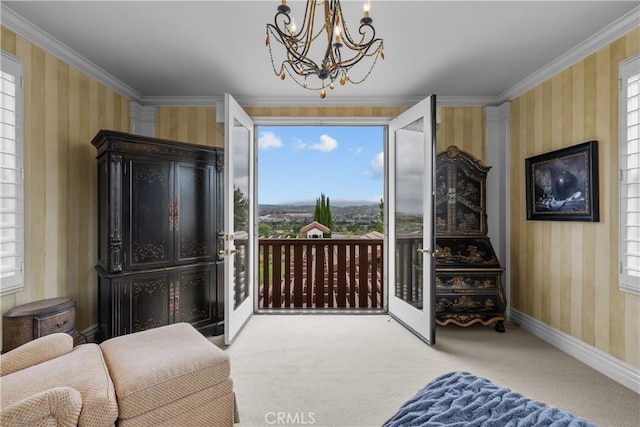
(196, 125)
(564, 273)
(463, 127)
(63, 110)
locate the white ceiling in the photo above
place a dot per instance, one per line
(191, 49)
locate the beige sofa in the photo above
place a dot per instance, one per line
(171, 376)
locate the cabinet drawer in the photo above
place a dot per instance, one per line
(469, 303)
(64, 321)
(452, 282)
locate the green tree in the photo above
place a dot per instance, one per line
(380, 222)
(265, 230)
(240, 211)
(322, 213)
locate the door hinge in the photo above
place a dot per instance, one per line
(621, 267)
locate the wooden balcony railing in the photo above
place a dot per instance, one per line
(320, 274)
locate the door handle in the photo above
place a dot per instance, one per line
(224, 252)
(424, 251)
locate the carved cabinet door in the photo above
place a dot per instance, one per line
(148, 213)
(193, 212)
(152, 300)
(195, 295)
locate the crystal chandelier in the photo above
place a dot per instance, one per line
(339, 54)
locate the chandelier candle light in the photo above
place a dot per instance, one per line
(298, 44)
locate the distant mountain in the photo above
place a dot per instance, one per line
(369, 211)
(334, 202)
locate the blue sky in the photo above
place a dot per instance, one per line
(297, 163)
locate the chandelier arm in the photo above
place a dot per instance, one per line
(292, 41)
(307, 29)
(363, 30)
(292, 55)
(298, 45)
(350, 62)
(356, 82)
(310, 65)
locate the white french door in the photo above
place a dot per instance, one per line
(410, 231)
(239, 218)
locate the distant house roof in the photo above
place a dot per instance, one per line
(317, 225)
(372, 235)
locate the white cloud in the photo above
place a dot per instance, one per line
(377, 165)
(299, 144)
(356, 151)
(325, 145)
(268, 140)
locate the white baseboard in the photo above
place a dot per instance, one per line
(617, 370)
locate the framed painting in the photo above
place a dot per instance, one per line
(562, 185)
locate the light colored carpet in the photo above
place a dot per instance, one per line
(357, 370)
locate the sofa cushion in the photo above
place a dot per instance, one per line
(58, 406)
(37, 351)
(155, 367)
(83, 369)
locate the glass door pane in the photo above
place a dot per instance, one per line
(409, 212)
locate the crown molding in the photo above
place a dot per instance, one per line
(407, 101)
(211, 101)
(600, 39)
(330, 102)
(26, 29)
(466, 101)
(321, 121)
(192, 101)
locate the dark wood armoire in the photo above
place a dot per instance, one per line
(468, 274)
(160, 207)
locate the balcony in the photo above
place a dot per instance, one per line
(320, 274)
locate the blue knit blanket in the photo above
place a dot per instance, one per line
(460, 399)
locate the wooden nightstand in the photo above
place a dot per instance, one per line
(27, 322)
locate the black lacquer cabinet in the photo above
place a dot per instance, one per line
(468, 274)
(160, 207)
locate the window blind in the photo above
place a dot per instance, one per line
(11, 176)
(630, 175)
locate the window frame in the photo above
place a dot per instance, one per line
(12, 65)
(628, 68)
